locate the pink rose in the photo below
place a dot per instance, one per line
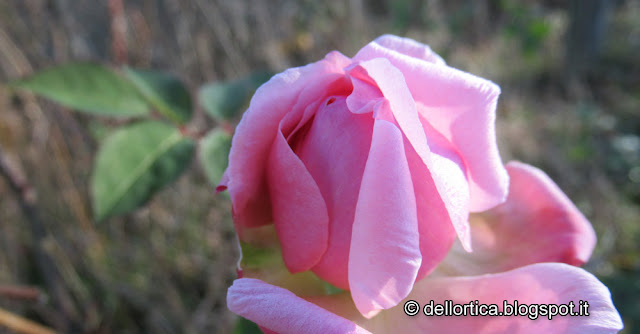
(519, 248)
(368, 167)
(361, 173)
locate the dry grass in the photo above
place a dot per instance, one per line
(165, 268)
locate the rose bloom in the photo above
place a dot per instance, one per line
(360, 183)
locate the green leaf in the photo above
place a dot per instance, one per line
(134, 163)
(244, 326)
(98, 130)
(86, 87)
(226, 100)
(214, 154)
(256, 257)
(165, 92)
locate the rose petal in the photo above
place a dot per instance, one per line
(409, 47)
(543, 283)
(551, 213)
(334, 151)
(224, 180)
(448, 175)
(537, 223)
(460, 106)
(281, 311)
(255, 133)
(393, 88)
(299, 211)
(385, 256)
(437, 233)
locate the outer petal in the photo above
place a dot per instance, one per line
(335, 150)
(537, 223)
(543, 283)
(458, 105)
(299, 211)
(245, 177)
(409, 47)
(385, 257)
(281, 311)
(392, 88)
(397, 106)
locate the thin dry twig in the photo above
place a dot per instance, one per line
(19, 324)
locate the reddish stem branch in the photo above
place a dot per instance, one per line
(20, 292)
(118, 31)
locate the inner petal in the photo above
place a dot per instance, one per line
(334, 149)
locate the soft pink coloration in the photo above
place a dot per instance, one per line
(368, 167)
(366, 170)
(281, 311)
(538, 223)
(536, 215)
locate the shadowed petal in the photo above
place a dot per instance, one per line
(537, 223)
(245, 178)
(437, 232)
(299, 211)
(335, 150)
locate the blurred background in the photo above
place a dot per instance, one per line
(570, 104)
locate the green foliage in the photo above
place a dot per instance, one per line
(526, 24)
(225, 100)
(401, 13)
(134, 163)
(244, 326)
(87, 87)
(625, 294)
(214, 154)
(98, 130)
(331, 289)
(257, 257)
(164, 92)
